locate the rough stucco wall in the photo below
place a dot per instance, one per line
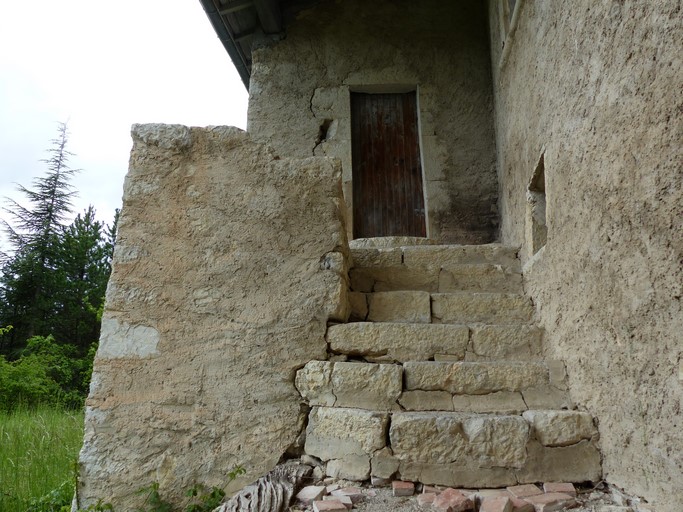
(390, 46)
(598, 84)
(228, 264)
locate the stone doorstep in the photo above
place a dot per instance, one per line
(416, 253)
(474, 277)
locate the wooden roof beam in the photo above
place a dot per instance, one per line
(235, 5)
(269, 15)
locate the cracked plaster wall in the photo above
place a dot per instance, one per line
(302, 83)
(229, 262)
(598, 85)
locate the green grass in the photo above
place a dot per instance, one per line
(38, 450)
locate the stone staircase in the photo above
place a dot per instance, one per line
(439, 377)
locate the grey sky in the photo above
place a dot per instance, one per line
(103, 66)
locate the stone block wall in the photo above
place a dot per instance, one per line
(299, 97)
(591, 91)
(229, 263)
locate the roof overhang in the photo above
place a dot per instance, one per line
(241, 24)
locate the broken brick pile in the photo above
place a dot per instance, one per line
(549, 497)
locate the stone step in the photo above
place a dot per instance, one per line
(491, 308)
(399, 342)
(447, 308)
(474, 378)
(455, 449)
(476, 277)
(435, 256)
(499, 387)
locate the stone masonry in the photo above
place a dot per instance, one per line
(440, 378)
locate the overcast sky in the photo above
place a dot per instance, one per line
(103, 66)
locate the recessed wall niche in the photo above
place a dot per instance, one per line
(536, 227)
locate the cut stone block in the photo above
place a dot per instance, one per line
(426, 401)
(376, 257)
(547, 397)
(398, 341)
(479, 278)
(360, 385)
(383, 463)
(358, 306)
(336, 433)
(314, 382)
(456, 475)
(500, 402)
(558, 373)
(387, 279)
(576, 463)
(443, 438)
(352, 467)
(405, 307)
(493, 308)
(450, 255)
(446, 358)
(473, 378)
(561, 428)
(509, 342)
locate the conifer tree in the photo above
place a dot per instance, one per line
(33, 235)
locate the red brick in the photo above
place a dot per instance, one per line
(354, 493)
(522, 491)
(327, 506)
(521, 505)
(499, 504)
(551, 502)
(310, 493)
(451, 500)
(400, 488)
(565, 488)
(344, 500)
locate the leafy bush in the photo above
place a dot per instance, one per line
(46, 373)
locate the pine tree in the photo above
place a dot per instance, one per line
(28, 274)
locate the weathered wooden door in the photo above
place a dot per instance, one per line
(387, 175)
